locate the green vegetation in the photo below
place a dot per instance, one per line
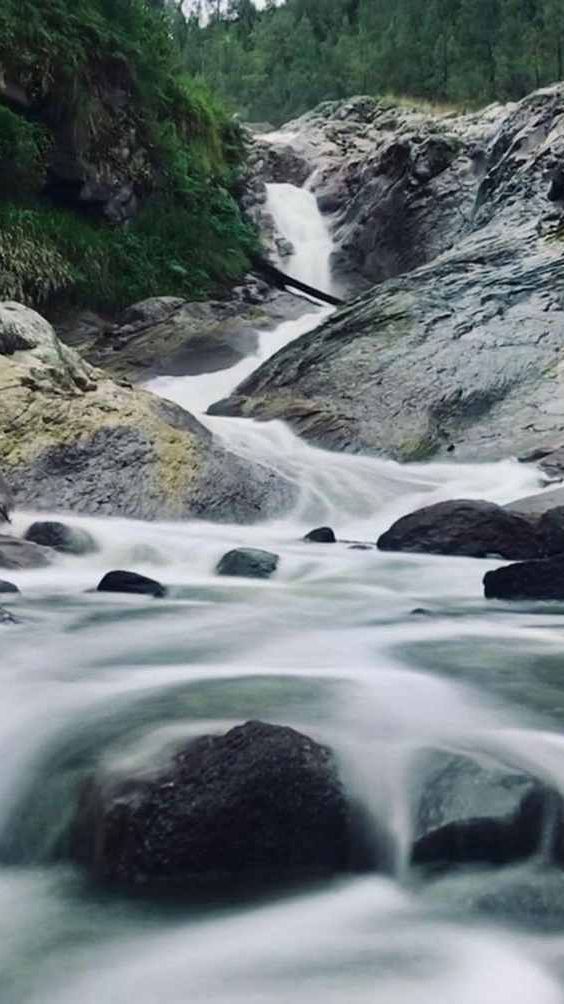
(281, 61)
(103, 79)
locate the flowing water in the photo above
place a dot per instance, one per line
(331, 646)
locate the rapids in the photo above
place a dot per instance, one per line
(331, 646)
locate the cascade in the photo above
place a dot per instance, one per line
(330, 646)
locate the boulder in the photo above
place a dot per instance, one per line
(321, 535)
(527, 580)
(248, 563)
(61, 537)
(23, 554)
(478, 811)
(72, 438)
(465, 349)
(262, 803)
(550, 529)
(130, 582)
(8, 587)
(465, 527)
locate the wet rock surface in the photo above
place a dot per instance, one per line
(321, 535)
(465, 527)
(171, 337)
(61, 537)
(249, 563)
(261, 803)
(527, 580)
(465, 351)
(8, 587)
(23, 554)
(130, 582)
(73, 438)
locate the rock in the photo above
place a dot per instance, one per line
(527, 580)
(23, 554)
(8, 587)
(262, 803)
(248, 563)
(166, 336)
(130, 582)
(63, 538)
(465, 348)
(465, 527)
(6, 500)
(7, 618)
(486, 840)
(550, 529)
(478, 811)
(321, 535)
(72, 438)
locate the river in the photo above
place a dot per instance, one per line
(331, 646)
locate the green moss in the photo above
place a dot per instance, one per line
(415, 450)
(23, 155)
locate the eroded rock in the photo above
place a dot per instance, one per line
(61, 537)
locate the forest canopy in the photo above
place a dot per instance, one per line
(278, 61)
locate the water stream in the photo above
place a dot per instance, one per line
(331, 646)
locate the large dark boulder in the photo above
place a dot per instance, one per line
(248, 563)
(8, 587)
(466, 527)
(22, 554)
(61, 537)
(120, 581)
(527, 580)
(261, 803)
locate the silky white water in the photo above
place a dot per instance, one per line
(330, 645)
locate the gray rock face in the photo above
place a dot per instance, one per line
(73, 438)
(466, 527)
(248, 563)
(261, 803)
(465, 352)
(61, 537)
(168, 336)
(6, 500)
(23, 554)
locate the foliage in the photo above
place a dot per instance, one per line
(280, 61)
(49, 254)
(23, 153)
(189, 239)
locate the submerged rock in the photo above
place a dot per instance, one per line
(7, 618)
(321, 535)
(72, 438)
(527, 580)
(23, 554)
(465, 527)
(130, 582)
(479, 812)
(248, 562)
(262, 803)
(61, 537)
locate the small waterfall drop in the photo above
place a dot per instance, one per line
(297, 217)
